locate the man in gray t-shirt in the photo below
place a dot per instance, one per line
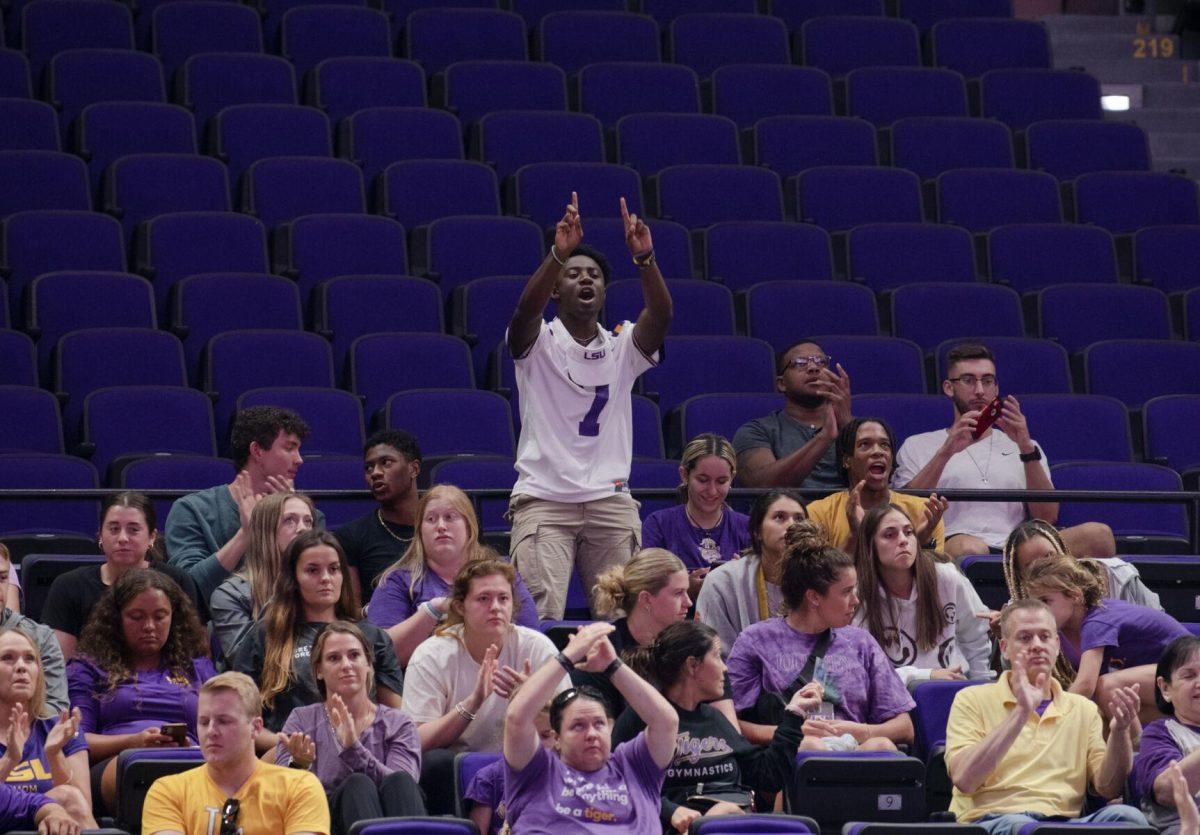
(796, 446)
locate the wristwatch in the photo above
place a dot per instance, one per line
(1036, 455)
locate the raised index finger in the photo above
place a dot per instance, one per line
(624, 211)
(575, 200)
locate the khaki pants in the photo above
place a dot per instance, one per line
(550, 538)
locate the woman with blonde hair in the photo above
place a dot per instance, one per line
(1104, 643)
(703, 531)
(1033, 539)
(412, 598)
(312, 590)
(239, 601)
(40, 751)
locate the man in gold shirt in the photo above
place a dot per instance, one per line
(1023, 749)
(234, 793)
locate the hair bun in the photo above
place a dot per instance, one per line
(806, 536)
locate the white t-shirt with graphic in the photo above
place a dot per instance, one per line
(576, 413)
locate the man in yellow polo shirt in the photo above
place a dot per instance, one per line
(234, 793)
(1022, 749)
(866, 449)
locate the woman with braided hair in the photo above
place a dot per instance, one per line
(1034, 539)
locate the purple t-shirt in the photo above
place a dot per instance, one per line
(487, 789)
(390, 743)
(1155, 753)
(32, 773)
(1131, 635)
(698, 548)
(17, 808)
(858, 677)
(150, 699)
(548, 797)
(391, 603)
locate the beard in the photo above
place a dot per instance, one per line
(806, 401)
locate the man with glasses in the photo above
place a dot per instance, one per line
(234, 793)
(1003, 457)
(794, 446)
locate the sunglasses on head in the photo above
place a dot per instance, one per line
(229, 815)
(565, 698)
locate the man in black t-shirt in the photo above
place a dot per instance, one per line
(391, 462)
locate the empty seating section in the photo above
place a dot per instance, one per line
(1030, 256)
(475, 88)
(706, 42)
(343, 86)
(790, 144)
(181, 30)
(888, 255)
(310, 34)
(375, 137)
(79, 77)
(930, 146)
(974, 47)
(882, 95)
(539, 190)
(27, 125)
(982, 199)
(210, 82)
(418, 192)
(508, 141)
(574, 39)
(611, 90)
(207, 304)
(314, 248)
(749, 92)
(437, 38)
(208, 205)
(171, 247)
(841, 44)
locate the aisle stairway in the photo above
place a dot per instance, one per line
(1139, 58)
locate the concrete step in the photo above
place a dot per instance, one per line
(1189, 166)
(1134, 71)
(1078, 24)
(1162, 119)
(1171, 94)
(1168, 144)
(1083, 49)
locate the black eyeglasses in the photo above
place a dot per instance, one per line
(229, 815)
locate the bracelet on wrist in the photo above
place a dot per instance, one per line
(644, 259)
(433, 611)
(616, 664)
(464, 713)
(554, 254)
(566, 663)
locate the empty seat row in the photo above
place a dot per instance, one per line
(438, 37)
(314, 249)
(837, 198)
(508, 140)
(207, 82)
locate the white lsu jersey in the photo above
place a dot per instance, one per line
(576, 413)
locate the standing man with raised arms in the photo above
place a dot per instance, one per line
(571, 505)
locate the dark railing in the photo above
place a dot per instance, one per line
(1189, 499)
